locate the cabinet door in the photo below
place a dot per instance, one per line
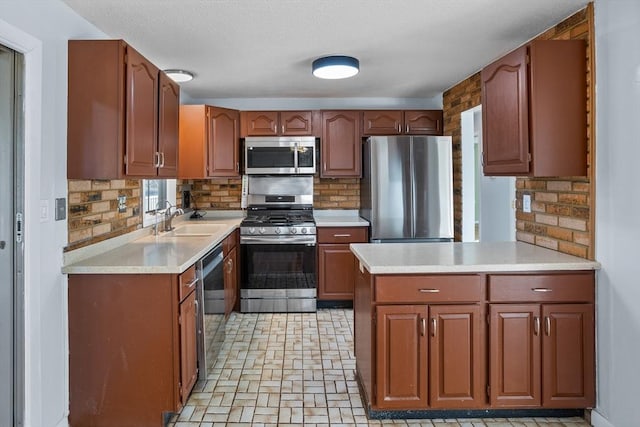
(401, 351)
(336, 268)
(456, 357)
(230, 281)
(341, 144)
(168, 116)
(568, 350)
(514, 345)
(296, 123)
(423, 122)
(188, 346)
(262, 123)
(224, 142)
(142, 116)
(505, 115)
(381, 122)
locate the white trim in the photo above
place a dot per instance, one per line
(148, 219)
(31, 48)
(598, 420)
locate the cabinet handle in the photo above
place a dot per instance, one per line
(196, 310)
(429, 291)
(434, 325)
(282, 128)
(541, 290)
(325, 166)
(547, 325)
(193, 282)
(342, 235)
(536, 325)
(407, 130)
(423, 326)
(162, 159)
(399, 128)
(237, 166)
(156, 159)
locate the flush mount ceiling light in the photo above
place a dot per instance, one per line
(335, 67)
(179, 76)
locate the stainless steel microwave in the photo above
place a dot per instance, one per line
(285, 155)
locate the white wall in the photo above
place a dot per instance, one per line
(40, 29)
(434, 103)
(617, 24)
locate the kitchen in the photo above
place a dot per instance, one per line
(52, 236)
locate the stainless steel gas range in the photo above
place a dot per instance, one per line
(278, 246)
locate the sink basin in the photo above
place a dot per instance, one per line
(195, 230)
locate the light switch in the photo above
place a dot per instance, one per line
(44, 210)
(526, 203)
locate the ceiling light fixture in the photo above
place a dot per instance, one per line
(179, 76)
(335, 67)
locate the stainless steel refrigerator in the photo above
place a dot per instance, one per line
(406, 192)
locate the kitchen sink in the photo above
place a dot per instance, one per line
(195, 230)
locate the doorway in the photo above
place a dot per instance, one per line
(11, 238)
(488, 202)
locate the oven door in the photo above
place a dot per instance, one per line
(278, 277)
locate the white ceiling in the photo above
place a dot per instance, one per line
(264, 48)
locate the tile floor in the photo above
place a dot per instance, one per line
(298, 369)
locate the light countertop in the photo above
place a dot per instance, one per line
(338, 218)
(399, 258)
(154, 254)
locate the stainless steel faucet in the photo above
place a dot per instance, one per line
(168, 216)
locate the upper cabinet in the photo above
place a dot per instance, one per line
(341, 151)
(209, 142)
(398, 122)
(122, 113)
(279, 123)
(534, 111)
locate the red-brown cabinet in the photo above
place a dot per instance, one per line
(399, 122)
(279, 123)
(534, 111)
(122, 113)
(341, 145)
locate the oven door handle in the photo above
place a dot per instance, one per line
(257, 240)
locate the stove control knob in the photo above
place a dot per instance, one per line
(278, 230)
(252, 230)
(262, 230)
(294, 230)
(304, 230)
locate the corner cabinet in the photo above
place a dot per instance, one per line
(341, 145)
(128, 334)
(534, 111)
(398, 122)
(279, 123)
(122, 118)
(336, 263)
(209, 142)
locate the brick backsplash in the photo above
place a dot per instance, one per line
(225, 193)
(562, 207)
(93, 210)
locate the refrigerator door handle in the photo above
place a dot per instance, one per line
(412, 177)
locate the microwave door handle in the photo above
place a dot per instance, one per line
(295, 156)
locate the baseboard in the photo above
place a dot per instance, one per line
(598, 420)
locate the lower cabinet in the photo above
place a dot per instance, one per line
(336, 263)
(132, 347)
(231, 272)
(429, 356)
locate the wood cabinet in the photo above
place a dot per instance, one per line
(231, 272)
(336, 263)
(279, 123)
(428, 339)
(122, 113)
(542, 340)
(399, 122)
(534, 117)
(129, 334)
(209, 142)
(341, 145)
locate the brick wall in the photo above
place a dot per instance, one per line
(562, 207)
(93, 210)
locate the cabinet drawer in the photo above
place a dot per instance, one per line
(342, 235)
(187, 281)
(414, 289)
(577, 287)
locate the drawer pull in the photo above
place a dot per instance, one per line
(423, 326)
(434, 325)
(536, 325)
(193, 282)
(541, 290)
(429, 291)
(342, 235)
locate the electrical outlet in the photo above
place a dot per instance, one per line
(186, 199)
(122, 203)
(61, 209)
(526, 203)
